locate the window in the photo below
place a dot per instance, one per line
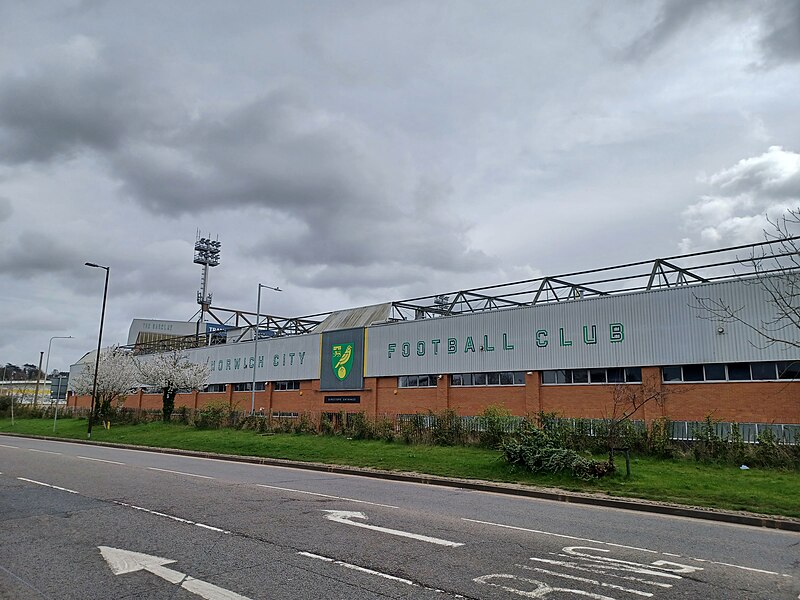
(493, 379)
(506, 378)
(765, 370)
(789, 370)
(479, 379)
(246, 387)
(672, 374)
(615, 375)
(739, 371)
(633, 374)
(284, 386)
(580, 376)
(597, 375)
(215, 387)
(693, 372)
(417, 381)
(714, 372)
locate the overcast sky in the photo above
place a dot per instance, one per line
(356, 152)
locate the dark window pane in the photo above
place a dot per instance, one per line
(402, 381)
(671, 373)
(739, 371)
(506, 378)
(715, 372)
(548, 376)
(615, 375)
(789, 370)
(633, 374)
(580, 376)
(412, 381)
(467, 378)
(693, 372)
(763, 370)
(456, 379)
(493, 378)
(479, 379)
(519, 377)
(597, 375)
(563, 376)
(260, 386)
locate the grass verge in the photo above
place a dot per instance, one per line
(771, 492)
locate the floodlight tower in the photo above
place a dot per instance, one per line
(206, 253)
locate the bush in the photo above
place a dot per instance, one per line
(212, 416)
(495, 420)
(536, 450)
(447, 429)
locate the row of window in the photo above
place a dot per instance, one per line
(610, 375)
(278, 386)
(495, 378)
(757, 371)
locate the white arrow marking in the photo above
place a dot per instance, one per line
(125, 561)
(345, 516)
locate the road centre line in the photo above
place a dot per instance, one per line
(55, 487)
(172, 517)
(373, 572)
(275, 487)
(43, 451)
(7, 446)
(179, 473)
(113, 462)
(560, 535)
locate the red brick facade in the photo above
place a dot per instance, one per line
(745, 402)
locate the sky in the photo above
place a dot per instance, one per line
(356, 152)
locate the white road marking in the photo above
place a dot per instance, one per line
(373, 572)
(560, 535)
(125, 561)
(275, 487)
(542, 589)
(55, 487)
(171, 517)
(180, 473)
(572, 537)
(587, 580)
(113, 462)
(600, 570)
(345, 516)
(7, 446)
(43, 451)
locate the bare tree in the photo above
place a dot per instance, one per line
(777, 273)
(116, 375)
(172, 372)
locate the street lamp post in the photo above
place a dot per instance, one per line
(255, 345)
(47, 366)
(99, 342)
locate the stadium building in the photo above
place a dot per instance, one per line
(570, 344)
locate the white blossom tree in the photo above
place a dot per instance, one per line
(116, 375)
(171, 372)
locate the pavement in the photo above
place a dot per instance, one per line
(592, 499)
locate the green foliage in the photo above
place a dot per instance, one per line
(447, 429)
(538, 451)
(212, 416)
(495, 422)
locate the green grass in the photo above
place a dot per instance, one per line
(686, 482)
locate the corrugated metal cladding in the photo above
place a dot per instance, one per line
(355, 317)
(654, 328)
(279, 359)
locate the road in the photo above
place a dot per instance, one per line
(86, 522)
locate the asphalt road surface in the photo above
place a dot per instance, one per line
(89, 522)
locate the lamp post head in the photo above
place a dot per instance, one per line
(95, 265)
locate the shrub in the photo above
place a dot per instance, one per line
(212, 416)
(495, 420)
(447, 429)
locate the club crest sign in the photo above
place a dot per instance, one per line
(342, 360)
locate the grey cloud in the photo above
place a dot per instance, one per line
(5, 209)
(781, 40)
(34, 254)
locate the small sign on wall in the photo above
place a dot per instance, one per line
(342, 399)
